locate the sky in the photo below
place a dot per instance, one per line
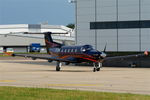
(55, 12)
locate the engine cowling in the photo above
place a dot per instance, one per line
(50, 61)
(103, 55)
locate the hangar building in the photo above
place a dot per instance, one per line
(123, 24)
(10, 36)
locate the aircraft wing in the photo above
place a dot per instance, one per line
(127, 56)
(42, 56)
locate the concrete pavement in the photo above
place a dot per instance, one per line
(39, 73)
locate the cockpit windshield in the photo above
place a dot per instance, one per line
(89, 47)
(86, 48)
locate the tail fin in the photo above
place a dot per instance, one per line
(49, 42)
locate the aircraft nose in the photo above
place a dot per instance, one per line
(103, 54)
(97, 54)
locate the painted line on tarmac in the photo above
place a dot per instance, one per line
(75, 85)
(7, 80)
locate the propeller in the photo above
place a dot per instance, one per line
(103, 55)
(105, 47)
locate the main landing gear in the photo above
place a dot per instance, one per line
(58, 66)
(97, 66)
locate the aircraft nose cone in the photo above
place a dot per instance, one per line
(103, 55)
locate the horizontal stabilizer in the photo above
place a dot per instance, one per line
(44, 33)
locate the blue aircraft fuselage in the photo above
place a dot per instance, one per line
(83, 53)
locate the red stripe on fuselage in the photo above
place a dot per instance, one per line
(93, 60)
(75, 55)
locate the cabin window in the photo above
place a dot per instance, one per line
(57, 50)
(65, 50)
(68, 50)
(71, 50)
(75, 50)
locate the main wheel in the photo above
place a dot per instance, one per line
(94, 69)
(57, 68)
(98, 69)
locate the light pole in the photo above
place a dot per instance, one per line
(75, 2)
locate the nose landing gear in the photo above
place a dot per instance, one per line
(97, 66)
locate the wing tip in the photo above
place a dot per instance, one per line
(146, 53)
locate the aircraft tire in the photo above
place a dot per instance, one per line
(98, 69)
(57, 68)
(94, 69)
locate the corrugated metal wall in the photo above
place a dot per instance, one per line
(128, 39)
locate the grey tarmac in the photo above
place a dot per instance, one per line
(41, 74)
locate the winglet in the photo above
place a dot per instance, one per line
(146, 53)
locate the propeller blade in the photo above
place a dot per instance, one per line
(105, 47)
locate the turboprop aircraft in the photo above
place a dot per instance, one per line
(73, 54)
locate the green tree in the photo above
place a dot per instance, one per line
(71, 26)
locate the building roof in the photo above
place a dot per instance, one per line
(13, 34)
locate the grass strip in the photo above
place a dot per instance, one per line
(16, 93)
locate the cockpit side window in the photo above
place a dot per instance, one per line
(89, 47)
(83, 49)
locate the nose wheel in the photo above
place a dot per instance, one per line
(97, 66)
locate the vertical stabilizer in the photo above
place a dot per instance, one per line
(50, 43)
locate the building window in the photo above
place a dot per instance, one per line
(145, 24)
(128, 24)
(120, 24)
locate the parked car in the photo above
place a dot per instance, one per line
(35, 47)
(1, 49)
(10, 50)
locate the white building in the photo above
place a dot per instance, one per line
(123, 24)
(10, 36)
